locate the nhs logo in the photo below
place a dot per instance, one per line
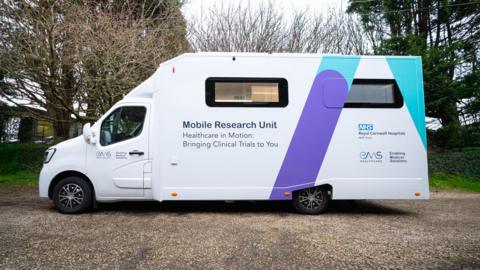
(365, 127)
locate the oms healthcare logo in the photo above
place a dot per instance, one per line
(379, 156)
(103, 154)
(371, 157)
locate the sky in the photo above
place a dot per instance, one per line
(194, 7)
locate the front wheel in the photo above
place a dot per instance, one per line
(311, 201)
(72, 195)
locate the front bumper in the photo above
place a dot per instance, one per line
(45, 178)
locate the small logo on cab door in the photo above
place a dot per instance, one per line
(121, 155)
(103, 154)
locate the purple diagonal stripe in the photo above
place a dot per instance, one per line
(312, 135)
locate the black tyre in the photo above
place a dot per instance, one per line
(311, 201)
(72, 195)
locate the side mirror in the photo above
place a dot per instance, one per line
(88, 134)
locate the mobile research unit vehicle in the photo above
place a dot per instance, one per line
(241, 126)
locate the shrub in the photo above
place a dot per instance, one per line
(465, 162)
(451, 137)
(15, 157)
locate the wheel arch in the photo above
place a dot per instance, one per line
(329, 189)
(64, 174)
(326, 186)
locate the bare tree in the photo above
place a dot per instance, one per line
(76, 58)
(237, 28)
(264, 28)
(35, 59)
(120, 46)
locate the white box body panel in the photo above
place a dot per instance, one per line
(362, 153)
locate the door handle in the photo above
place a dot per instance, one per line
(135, 152)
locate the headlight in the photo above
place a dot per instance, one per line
(48, 155)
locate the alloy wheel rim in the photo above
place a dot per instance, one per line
(71, 195)
(310, 198)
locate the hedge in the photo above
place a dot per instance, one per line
(465, 162)
(15, 157)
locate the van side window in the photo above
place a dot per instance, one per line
(374, 93)
(246, 92)
(122, 124)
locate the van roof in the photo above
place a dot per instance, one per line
(282, 55)
(146, 88)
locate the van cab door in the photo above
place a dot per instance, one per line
(119, 157)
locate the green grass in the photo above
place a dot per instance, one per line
(24, 179)
(458, 182)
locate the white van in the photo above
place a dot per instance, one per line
(251, 126)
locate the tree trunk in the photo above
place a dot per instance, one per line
(424, 15)
(62, 126)
(449, 114)
(61, 131)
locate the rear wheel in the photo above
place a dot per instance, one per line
(312, 200)
(72, 195)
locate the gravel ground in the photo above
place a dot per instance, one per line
(440, 233)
